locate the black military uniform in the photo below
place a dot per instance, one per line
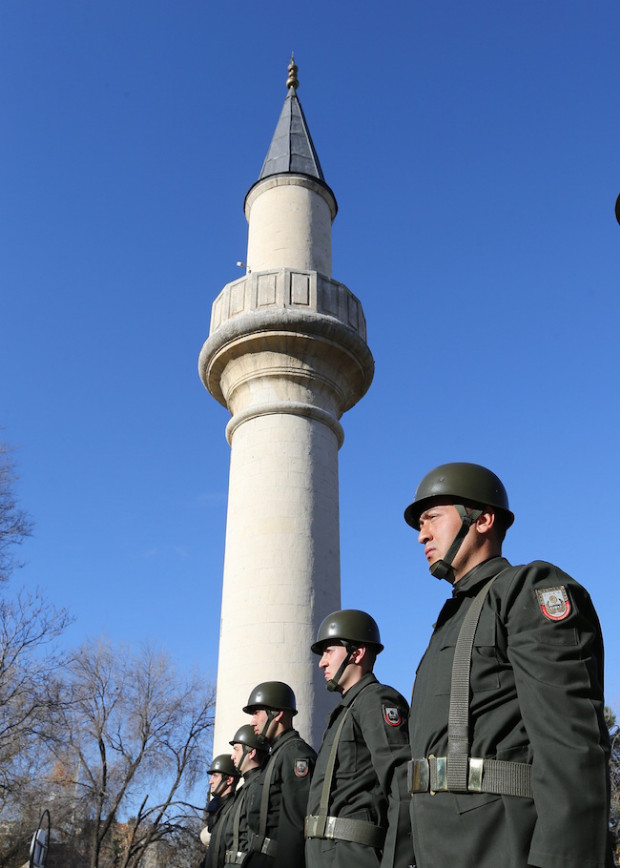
(214, 809)
(358, 805)
(283, 789)
(219, 804)
(236, 832)
(235, 836)
(507, 729)
(368, 782)
(216, 823)
(536, 699)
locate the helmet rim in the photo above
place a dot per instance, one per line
(223, 759)
(365, 632)
(460, 482)
(246, 735)
(260, 698)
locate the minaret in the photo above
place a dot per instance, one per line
(287, 355)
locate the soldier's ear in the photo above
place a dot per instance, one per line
(485, 522)
(358, 654)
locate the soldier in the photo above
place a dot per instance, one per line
(507, 731)
(224, 779)
(276, 816)
(249, 754)
(358, 811)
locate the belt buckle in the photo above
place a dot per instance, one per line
(330, 827)
(418, 776)
(441, 774)
(474, 776)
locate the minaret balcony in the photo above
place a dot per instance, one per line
(288, 289)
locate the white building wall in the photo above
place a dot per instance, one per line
(290, 225)
(282, 567)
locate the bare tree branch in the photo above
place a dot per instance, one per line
(29, 688)
(132, 725)
(15, 523)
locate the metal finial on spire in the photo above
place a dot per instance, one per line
(292, 80)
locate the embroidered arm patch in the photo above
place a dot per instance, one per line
(301, 768)
(392, 715)
(554, 603)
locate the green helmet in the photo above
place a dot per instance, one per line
(245, 735)
(271, 694)
(462, 481)
(224, 765)
(348, 625)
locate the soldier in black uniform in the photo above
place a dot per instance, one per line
(224, 780)
(507, 732)
(276, 816)
(358, 809)
(249, 755)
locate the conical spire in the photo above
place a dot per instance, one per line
(291, 149)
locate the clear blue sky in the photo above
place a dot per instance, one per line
(474, 149)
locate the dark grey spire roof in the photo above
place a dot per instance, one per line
(291, 149)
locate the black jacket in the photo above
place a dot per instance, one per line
(369, 781)
(291, 761)
(536, 696)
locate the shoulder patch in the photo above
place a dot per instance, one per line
(392, 715)
(554, 603)
(302, 768)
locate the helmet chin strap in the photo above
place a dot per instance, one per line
(270, 716)
(245, 750)
(220, 787)
(333, 683)
(442, 569)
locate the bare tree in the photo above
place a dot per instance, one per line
(175, 825)
(137, 735)
(93, 738)
(29, 628)
(15, 524)
(29, 670)
(29, 667)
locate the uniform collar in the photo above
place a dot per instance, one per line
(479, 574)
(352, 692)
(281, 739)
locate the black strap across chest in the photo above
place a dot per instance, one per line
(458, 715)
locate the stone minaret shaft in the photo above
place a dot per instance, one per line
(287, 355)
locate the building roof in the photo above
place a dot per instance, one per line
(291, 149)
